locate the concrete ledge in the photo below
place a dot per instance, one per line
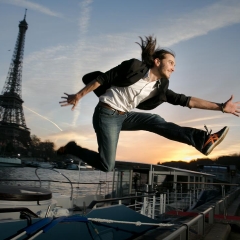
(219, 231)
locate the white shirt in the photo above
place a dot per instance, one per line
(127, 98)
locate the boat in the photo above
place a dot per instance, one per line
(131, 204)
(72, 166)
(10, 162)
(36, 164)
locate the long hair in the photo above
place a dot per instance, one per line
(151, 52)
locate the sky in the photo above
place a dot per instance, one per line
(67, 39)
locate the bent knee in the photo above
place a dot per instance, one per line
(157, 119)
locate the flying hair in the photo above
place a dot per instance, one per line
(151, 52)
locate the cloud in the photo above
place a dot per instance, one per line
(84, 135)
(84, 16)
(49, 68)
(78, 65)
(201, 119)
(33, 6)
(199, 22)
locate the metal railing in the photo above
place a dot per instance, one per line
(200, 220)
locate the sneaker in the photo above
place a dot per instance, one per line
(212, 140)
(67, 149)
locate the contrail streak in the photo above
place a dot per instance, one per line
(43, 117)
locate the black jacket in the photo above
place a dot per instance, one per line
(128, 73)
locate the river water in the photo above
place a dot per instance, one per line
(83, 181)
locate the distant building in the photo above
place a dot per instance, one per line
(223, 173)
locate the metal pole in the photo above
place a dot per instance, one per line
(79, 167)
(113, 181)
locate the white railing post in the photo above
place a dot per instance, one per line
(143, 210)
(168, 196)
(175, 197)
(190, 199)
(211, 216)
(153, 207)
(183, 235)
(149, 208)
(181, 191)
(217, 208)
(161, 203)
(201, 223)
(164, 203)
(225, 207)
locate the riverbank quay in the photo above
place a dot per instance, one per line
(212, 220)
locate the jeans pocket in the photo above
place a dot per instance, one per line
(106, 111)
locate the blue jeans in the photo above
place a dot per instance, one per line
(108, 124)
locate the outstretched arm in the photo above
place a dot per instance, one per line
(73, 99)
(228, 107)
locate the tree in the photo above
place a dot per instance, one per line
(46, 149)
(41, 149)
(35, 140)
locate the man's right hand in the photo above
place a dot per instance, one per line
(71, 99)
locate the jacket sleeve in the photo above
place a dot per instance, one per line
(109, 76)
(177, 99)
(126, 70)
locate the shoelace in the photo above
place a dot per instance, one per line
(209, 133)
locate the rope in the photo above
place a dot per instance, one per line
(138, 223)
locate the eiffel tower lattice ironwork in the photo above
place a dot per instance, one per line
(13, 128)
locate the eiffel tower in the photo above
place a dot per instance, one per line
(14, 134)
